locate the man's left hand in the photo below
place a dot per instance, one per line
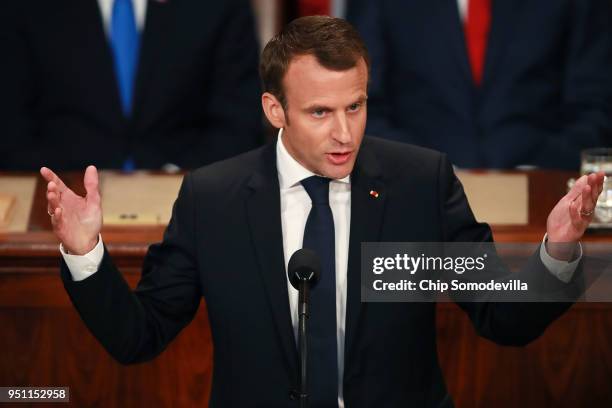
(571, 216)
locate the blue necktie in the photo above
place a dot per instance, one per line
(125, 44)
(319, 236)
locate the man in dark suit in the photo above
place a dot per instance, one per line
(127, 83)
(491, 83)
(235, 223)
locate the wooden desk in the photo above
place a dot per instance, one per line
(44, 342)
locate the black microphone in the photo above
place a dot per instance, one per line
(303, 271)
(304, 266)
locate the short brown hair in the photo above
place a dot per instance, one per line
(333, 41)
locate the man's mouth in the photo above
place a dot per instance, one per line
(338, 158)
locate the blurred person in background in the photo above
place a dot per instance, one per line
(493, 83)
(127, 83)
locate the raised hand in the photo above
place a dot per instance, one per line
(76, 220)
(571, 216)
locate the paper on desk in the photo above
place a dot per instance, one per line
(500, 199)
(21, 188)
(7, 203)
(138, 199)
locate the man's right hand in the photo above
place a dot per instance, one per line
(76, 220)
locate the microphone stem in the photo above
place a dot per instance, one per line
(303, 341)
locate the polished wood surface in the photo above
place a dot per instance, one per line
(44, 342)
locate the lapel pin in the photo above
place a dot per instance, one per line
(374, 193)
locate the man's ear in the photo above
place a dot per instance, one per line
(273, 110)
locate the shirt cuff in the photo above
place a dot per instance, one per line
(83, 266)
(564, 271)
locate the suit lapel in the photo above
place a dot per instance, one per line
(450, 22)
(96, 57)
(366, 222)
(153, 40)
(503, 21)
(263, 212)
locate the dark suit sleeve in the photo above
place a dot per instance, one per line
(137, 326)
(232, 113)
(587, 92)
(516, 323)
(17, 82)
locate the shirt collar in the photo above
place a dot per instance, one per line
(290, 172)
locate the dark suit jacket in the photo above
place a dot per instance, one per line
(196, 95)
(224, 242)
(546, 92)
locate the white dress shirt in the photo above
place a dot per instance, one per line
(463, 5)
(106, 10)
(338, 8)
(295, 206)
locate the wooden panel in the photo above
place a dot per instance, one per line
(569, 366)
(52, 347)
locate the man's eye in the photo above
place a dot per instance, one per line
(318, 113)
(354, 107)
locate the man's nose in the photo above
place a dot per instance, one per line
(341, 132)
